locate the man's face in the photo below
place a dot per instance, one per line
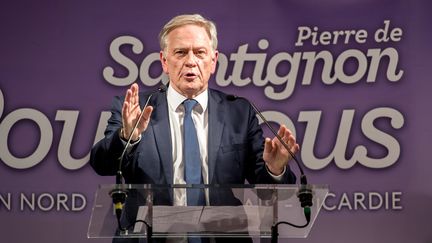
(189, 59)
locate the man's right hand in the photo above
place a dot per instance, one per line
(131, 111)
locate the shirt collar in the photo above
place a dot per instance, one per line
(175, 99)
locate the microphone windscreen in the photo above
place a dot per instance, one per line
(231, 97)
(162, 88)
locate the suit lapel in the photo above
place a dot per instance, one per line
(216, 126)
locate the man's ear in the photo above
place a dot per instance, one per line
(163, 61)
(214, 60)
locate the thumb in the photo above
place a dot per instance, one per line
(145, 118)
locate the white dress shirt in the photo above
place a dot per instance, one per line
(200, 118)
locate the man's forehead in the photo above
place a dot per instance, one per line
(188, 37)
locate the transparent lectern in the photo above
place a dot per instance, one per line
(232, 211)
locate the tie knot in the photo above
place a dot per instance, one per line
(189, 105)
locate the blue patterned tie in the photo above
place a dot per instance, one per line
(192, 158)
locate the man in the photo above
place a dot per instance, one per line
(230, 143)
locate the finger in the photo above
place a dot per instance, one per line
(281, 131)
(292, 144)
(287, 132)
(125, 111)
(135, 109)
(268, 145)
(288, 137)
(135, 87)
(147, 112)
(296, 148)
(135, 91)
(146, 118)
(128, 96)
(290, 141)
(282, 135)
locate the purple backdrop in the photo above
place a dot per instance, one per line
(361, 111)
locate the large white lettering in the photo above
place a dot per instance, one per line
(338, 155)
(44, 143)
(45, 129)
(70, 119)
(124, 61)
(269, 76)
(310, 160)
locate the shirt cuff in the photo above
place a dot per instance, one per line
(276, 177)
(132, 144)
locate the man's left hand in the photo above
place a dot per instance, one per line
(275, 155)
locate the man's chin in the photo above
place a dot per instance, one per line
(193, 91)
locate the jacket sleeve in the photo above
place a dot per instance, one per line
(105, 154)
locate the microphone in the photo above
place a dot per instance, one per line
(304, 193)
(119, 194)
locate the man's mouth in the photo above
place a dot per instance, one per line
(190, 76)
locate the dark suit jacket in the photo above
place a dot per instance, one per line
(235, 150)
(235, 145)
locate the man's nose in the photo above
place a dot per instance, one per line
(190, 59)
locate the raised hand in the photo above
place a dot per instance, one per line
(131, 112)
(275, 155)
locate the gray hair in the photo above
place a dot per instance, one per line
(194, 19)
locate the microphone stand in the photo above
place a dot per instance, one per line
(119, 194)
(305, 193)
